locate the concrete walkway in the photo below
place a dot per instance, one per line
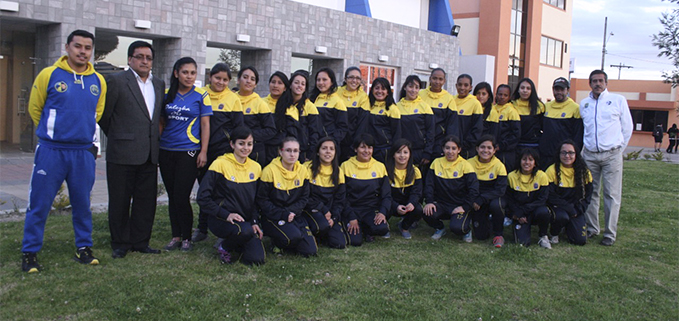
(16, 166)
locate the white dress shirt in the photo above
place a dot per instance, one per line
(607, 122)
(147, 91)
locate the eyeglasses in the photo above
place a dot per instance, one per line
(142, 57)
(568, 154)
(353, 78)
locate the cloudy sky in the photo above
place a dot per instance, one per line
(632, 23)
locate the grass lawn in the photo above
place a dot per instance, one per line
(395, 279)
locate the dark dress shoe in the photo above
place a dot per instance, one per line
(147, 250)
(119, 253)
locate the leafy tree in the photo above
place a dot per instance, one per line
(231, 57)
(103, 45)
(668, 42)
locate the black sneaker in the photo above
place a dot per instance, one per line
(198, 236)
(84, 255)
(29, 263)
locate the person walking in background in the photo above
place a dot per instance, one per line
(673, 134)
(658, 133)
(66, 102)
(131, 122)
(607, 130)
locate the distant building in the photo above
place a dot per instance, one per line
(651, 102)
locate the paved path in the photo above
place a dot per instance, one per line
(15, 174)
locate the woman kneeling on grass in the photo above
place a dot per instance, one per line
(227, 194)
(283, 192)
(406, 186)
(570, 191)
(368, 193)
(526, 199)
(450, 190)
(326, 195)
(492, 177)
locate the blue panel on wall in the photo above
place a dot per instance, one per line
(361, 7)
(440, 16)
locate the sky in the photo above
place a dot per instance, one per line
(632, 23)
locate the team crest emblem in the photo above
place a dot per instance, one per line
(252, 175)
(501, 116)
(517, 188)
(415, 111)
(393, 185)
(354, 104)
(608, 103)
(247, 111)
(281, 222)
(455, 174)
(94, 90)
(440, 105)
(491, 175)
(518, 226)
(296, 182)
(313, 181)
(439, 174)
(546, 113)
(353, 175)
(462, 111)
(325, 104)
(535, 185)
(60, 86)
(586, 105)
(221, 106)
(233, 178)
(563, 114)
(381, 111)
(374, 174)
(560, 183)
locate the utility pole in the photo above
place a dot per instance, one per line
(603, 50)
(620, 66)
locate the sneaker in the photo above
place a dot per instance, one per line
(554, 239)
(406, 235)
(173, 245)
(187, 245)
(386, 236)
(591, 234)
(607, 241)
(84, 255)
(544, 242)
(198, 236)
(467, 237)
(439, 234)
(224, 255)
(29, 263)
(498, 241)
(507, 222)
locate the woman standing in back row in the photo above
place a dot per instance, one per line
(331, 108)
(256, 113)
(356, 101)
(531, 110)
(417, 122)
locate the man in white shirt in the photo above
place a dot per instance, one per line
(607, 129)
(130, 122)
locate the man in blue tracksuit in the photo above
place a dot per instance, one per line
(66, 101)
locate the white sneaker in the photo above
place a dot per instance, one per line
(438, 234)
(554, 239)
(467, 237)
(544, 242)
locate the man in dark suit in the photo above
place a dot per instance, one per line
(130, 122)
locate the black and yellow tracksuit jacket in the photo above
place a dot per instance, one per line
(404, 193)
(443, 106)
(384, 125)
(282, 192)
(561, 121)
(367, 186)
(358, 106)
(230, 187)
(258, 117)
(562, 193)
(526, 192)
(470, 119)
(324, 196)
(531, 125)
(333, 116)
(418, 125)
(227, 114)
(492, 178)
(304, 126)
(451, 183)
(509, 127)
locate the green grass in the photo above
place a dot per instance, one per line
(637, 278)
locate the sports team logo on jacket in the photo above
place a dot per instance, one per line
(60, 86)
(94, 89)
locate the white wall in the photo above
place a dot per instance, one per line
(405, 12)
(330, 4)
(469, 35)
(480, 67)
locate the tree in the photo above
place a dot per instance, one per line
(103, 45)
(668, 42)
(231, 57)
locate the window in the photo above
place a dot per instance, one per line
(561, 4)
(370, 72)
(551, 51)
(646, 120)
(517, 42)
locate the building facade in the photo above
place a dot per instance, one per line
(269, 33)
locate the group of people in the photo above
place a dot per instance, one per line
(672, 134)
(330, 165)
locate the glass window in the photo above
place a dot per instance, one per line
(648, 119)
(551, 52)
(561, 4)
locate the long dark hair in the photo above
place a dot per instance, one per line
(279, 113)
(410, 79)
(346, 74)
(384, 83)
(532, 153)
(579, 168)
(174, 81)
(390, 163)
(333, 83)
(533, 100)
(489, 103)
(316, 161)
